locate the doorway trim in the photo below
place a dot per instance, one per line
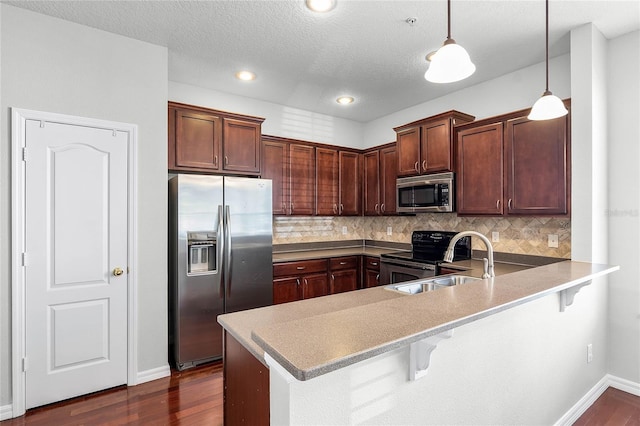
(18, 308)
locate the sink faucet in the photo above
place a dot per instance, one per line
(487, 264)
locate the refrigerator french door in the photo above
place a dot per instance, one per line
(220, 259)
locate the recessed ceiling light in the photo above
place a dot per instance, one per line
(245, 75)
(321, 5)
(345, 100)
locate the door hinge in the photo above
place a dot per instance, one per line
(24, 153)
(24, 259)
(25, 364)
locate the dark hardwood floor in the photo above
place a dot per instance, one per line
(194, 397)
(190, 397)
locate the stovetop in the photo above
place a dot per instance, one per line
(430, 247)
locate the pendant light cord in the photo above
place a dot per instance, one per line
(448, 19)
(547, 42)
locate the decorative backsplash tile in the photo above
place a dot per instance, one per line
(520, 235)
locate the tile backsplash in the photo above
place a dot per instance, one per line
(520, 235)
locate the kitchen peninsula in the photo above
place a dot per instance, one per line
(346, 359)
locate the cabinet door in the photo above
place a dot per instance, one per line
(302, 177)
(276, 168)
(326, 181)
(436, 147)
(350, 188)
(480, 170)
(408, 146)
(286, 289)
(344, 280)
(314, 285)
(371, 183)
(197, 140)
(537, 156)
(371, 278)
(388, 176)
(241, 146)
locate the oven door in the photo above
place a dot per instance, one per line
(396, 271)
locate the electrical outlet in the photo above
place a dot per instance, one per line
(553, 240)
(589, 353)
(495, 237)
(344, 230)
(389, 230)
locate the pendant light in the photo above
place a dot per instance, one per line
(548, 106)
(451, 62)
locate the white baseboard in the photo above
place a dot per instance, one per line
(586, 401)
(6, 412)
(153, 374)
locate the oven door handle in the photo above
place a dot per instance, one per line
(413, 265)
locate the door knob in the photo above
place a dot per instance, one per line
(118, 271)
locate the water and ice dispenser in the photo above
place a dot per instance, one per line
(201, 252)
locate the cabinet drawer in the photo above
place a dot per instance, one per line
(336, 263)
(372, 263)
(299, 268)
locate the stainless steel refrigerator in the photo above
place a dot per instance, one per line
(220, 259)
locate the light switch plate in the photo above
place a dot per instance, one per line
(553, 240)
(344, 230)
(389, 230)
(495, 236)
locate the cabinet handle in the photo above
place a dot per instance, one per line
(333, 277)
(378, 278)
(374, 263)
(424, 165)
(291, 208)
(341, 208)
(382, 208)
(343, 263)
(215, 161)
(305, 281)
(498, 205)
(298, 282)
(417, 166)
(284, 208)
(376, 208)
(335, 209)
(509, 204)
(301, 268)
(226, 160)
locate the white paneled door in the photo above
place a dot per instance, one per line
(76, 274)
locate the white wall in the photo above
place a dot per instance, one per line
(57, 66)
(623, 104)
(280, 120)
(510, 92)
(526, 366)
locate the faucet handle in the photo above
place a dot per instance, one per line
(485, 268)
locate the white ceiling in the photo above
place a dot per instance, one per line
(365, 49)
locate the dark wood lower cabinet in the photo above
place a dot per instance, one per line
(371, 274)
(246, 386)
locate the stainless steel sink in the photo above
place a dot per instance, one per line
(420, 286)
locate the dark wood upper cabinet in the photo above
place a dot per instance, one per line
(275, 166)
(210, 141)
(350, 183)
(510, 165)
(427, 145)
(327, 182)
(537, 166)
(379, 181)
(479, 181)
(241, 146)
(302, 179)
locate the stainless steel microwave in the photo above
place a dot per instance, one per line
(426, 193)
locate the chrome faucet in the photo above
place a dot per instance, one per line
(487, 264)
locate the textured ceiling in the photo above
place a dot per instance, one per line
(365, 49)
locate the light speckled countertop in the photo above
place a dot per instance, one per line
(316, 336)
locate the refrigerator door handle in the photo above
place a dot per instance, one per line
(228, 244)
(220, 251)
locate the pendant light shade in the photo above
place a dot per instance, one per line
(548, 106)
(451, 62)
